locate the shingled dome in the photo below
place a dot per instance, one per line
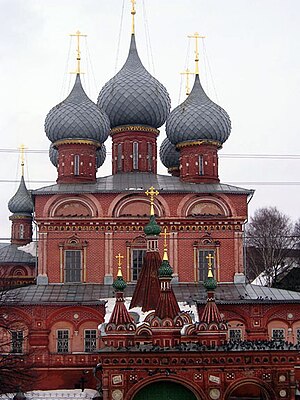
(198, 118)
(77, 117)
(169, 156)
(100, 155)
(21, 203)
(134, 96)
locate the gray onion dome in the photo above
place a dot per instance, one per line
(77, 117)
(100, 155)
(133, 96)
(198, 118)
(21, 203)
(169, 156)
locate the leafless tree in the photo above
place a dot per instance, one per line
(269, 238)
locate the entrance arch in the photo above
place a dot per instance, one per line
(165, 390)
(249, 390)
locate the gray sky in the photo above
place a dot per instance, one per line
(252, 47)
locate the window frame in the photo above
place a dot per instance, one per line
(138, 267)
(135, 156)
(76, 165)
(277, 330)
(201, 165)
(119, 156)
(230, 330)
(68, 270)
(90, 343)
(17, 343)
(203, 271)
(64, 340)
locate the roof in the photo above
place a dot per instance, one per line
(139, 182)
(90, 294)
(10, 254)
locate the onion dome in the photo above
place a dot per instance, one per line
(133, 96)
(152, 229)
(100, 155)
(165, 270)
(210, 283)
(169, 156)
(198, 118)
(119, 284)
(21, 203)
(77, 117)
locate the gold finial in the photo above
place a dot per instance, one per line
(119, 258)
(196, 36)
(165, 234)
(210, 257)
(78, 34)
(133, 12)
(152, 193)
(22, 149)
(187, 72)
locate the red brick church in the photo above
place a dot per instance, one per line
(138, 285)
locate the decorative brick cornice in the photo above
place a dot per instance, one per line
(198, 143)
(134, 128)
(77, 141)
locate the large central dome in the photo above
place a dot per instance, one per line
(133, 96)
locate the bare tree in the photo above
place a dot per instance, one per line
(269, 238)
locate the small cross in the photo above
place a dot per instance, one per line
(196, 36)
(22, 149)
(165, 234)
(119, 257)
(152, 193)
(133, 12)
(187, 72)
(210, 257)
(78, 34)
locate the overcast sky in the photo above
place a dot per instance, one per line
(251, 46)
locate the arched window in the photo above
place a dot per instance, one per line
(119, 157)
(21, 231)
(201, 165)
(73, 260)
(206, 252)
(150, 156)
(76, 164)
(135, 155)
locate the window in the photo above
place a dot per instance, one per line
(298, 335)
(21, 231)
(235, 334)
(63, 341)
(204, 256)
(137, 257)
(119, 157)
(90, 336)
(17, 339)
(72, 265)
(76, 164)
(201, 166)
(278, 334)
(135, 155)
(149, 145)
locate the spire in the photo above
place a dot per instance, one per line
(133, 12)
(196, 36)
(22, 156)
(78, 34)
(187, 73)
(120, 314)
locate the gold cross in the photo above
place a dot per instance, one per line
(133, 12)
(119, 257)
(78, 34)
(152, 193)
(22, 149)
(165, 234)
(196, 36)
(210, 257)
(187, 72)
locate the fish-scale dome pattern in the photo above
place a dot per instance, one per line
(133, 96)
(168, 154)
(198, 118)
(77, 117)
(21, 202)
(100, 155)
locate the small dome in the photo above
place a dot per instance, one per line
(133, 96)
(152, 229)
(119, 284)
(169, 156)
(21, 203)
(77, 117)
(100, 155)
(165, 270)
(198, 118)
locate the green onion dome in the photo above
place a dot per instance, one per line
(21, 203)
(119, 284)
(77, 117)
(133, 96)
(210, 283)
(152, 228)
(198, 118)
(165, 270)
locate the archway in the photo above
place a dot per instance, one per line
(165, 390)
(249, 391)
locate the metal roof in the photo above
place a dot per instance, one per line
(134, 182)
(9, 254)
(92, 293)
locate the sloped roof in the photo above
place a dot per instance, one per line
(91, 294)
(139, 182)
(9, 254)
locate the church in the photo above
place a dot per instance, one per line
(136, 287)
